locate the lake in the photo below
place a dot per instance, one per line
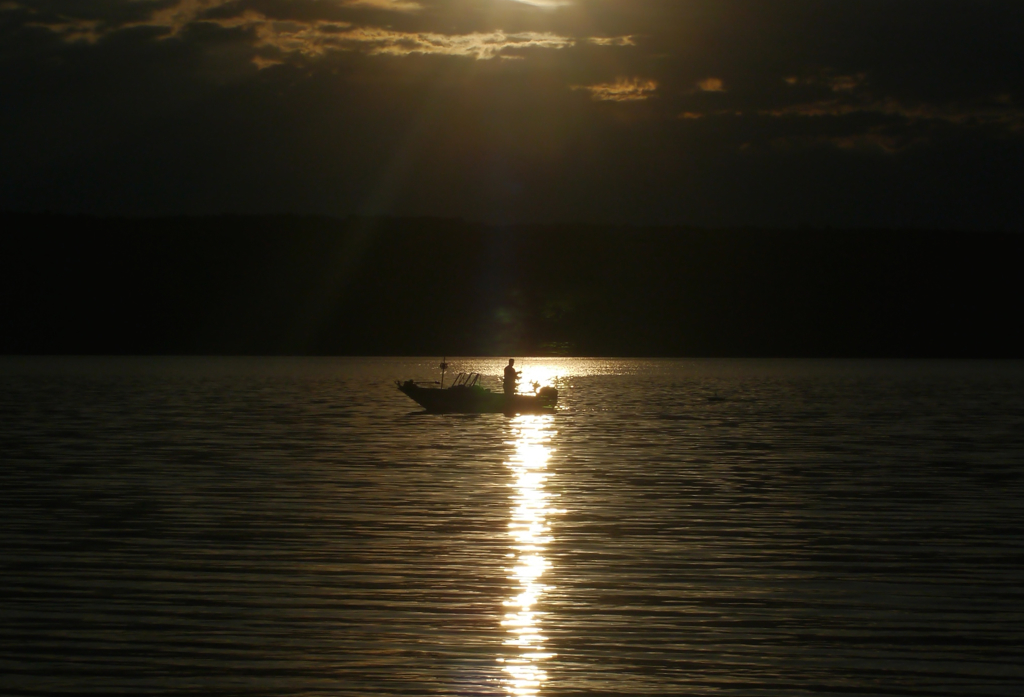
(298, 526)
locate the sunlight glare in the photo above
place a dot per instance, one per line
(541, 374)
(528, 530)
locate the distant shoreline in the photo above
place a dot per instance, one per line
(312, 285)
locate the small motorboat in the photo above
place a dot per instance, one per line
(467, 396)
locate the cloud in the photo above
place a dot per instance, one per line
(711, 84)
(897, 126)
(172, 18)
(622, 90)
(176, 17)
(846, 83)
(1002, 114)
(694, 115)
(307, 38)
(829, 107)
(261, 63)
(627, 40)
(319, 37)
(393, 5)
(545, 3)
(874, 140)
(478, 45)
(836, 83)
(850, 97)
(75, 30)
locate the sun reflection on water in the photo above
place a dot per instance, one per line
(541, 375)
(528, 530)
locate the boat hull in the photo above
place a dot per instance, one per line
(476, 400)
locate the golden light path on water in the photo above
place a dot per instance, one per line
(541, 374)
(529, 533)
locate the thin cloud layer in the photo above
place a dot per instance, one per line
(836, 83)
(75, 30)
(318, 38)
(613, 40)
(176, 17)
(711, 84)
(481, 46)
(171, 19)
(1009, 116)
(392, 5)
(851, 98)
(314, 38)
(543, 3)
(622, 90)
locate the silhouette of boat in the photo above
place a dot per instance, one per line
(467, 396)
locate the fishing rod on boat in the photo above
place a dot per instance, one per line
(443, 367)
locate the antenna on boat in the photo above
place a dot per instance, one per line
(443, 367)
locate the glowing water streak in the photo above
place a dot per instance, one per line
(528, 530)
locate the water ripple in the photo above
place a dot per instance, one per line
(271, 527)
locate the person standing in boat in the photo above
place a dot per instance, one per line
(511, 377)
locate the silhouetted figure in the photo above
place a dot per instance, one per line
(511, 377)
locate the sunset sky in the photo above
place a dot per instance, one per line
(706, 112)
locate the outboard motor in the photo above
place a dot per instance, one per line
(548, 394)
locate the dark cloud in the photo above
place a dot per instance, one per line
(708, 112)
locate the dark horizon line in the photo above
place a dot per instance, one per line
(460, 220)
(502, 356)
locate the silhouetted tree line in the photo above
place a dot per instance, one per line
(317, 285)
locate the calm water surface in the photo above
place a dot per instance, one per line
(298, 527)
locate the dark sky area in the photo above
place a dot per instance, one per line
(512, 176)
(300, 285)
(855, 113)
